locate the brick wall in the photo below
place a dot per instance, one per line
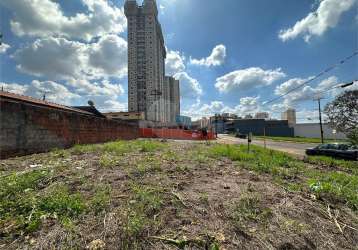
(26, 128)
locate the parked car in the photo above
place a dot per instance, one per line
(241, 136)
(337, 150)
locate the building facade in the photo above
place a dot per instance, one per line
(127, 116)
(313, 130)
(173, 98)
(290, 116)
(184, 121)
(262, 115)
(146, 60)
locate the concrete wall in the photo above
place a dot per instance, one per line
(27, 128)
(260, 126)
(312, 130)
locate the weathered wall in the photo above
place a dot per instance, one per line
(313, 130)
(26, 128)
(259, 127)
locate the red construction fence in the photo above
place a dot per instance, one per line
(177, 134)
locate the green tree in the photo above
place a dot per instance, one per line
(343, 114)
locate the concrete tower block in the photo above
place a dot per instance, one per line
(130, 7)
(150, 7)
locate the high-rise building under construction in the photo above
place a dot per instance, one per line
(146, 62)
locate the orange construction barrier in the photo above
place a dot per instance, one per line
(177, 134)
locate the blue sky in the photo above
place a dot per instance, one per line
(230, 55)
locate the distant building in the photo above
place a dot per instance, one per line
(195, 125)
(149, 90)
(229, 116)
(126, 116)
(262, 115)
(313, 130)
(171, 99)
(204, 122)
(259, 127)
(184, 121)
(290, 116)
(146, 60)
(248, 116)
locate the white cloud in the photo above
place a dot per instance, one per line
(189, 87)
(308, 116)
(113, 106)
(198, 110)
(305, 93)
(43, 18)
(53, 58)
(248, 78)
(162, 9)
(58, 58)
(248, 105)
(104, 94)
(4, 47)
(104, 88)
(109, 56)
(13, 88)
(174, 63)
(217, 57)
(317, 23)
(55, 92)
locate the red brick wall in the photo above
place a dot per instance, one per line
(26, 128)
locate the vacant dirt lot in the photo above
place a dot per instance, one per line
(176, 195)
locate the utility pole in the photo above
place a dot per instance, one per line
(320, 118)
(344, 85)
(265, 135)
(216, 125)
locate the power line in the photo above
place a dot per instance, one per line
(342, 86)
(314, 78)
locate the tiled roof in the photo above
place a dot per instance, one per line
(32, 100)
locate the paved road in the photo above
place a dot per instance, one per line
(288, 147)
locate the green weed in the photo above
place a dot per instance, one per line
(339, 185)
(61, 203)
(297, 139)
(148, 199)
(82, 149)
(107, 161)
(24, 207)
(170, 156)
(249, 208)
(258, 159)
(332, 162)
(16, 184)
(149, 164)
(148, 146)
(60, 153)
(101, 199)
(204, 198)
(18, 200)
(182, 168)
(138, 218)
(285, 170)
(118, 147)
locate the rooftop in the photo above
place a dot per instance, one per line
(28, 99)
